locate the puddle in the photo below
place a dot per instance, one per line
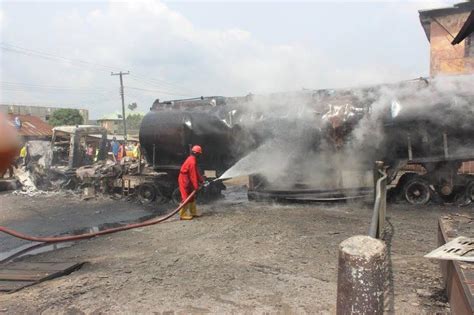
(35, 248)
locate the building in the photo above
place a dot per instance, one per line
(112, 122)
(441, 27)
(31, 127)
(43, 112)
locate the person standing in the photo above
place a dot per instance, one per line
(90, 154)
(136, 151)
(189, 180)
(23, 154)
(121, 152)
(115, 147)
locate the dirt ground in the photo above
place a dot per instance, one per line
(239, 257)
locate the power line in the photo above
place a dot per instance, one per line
(49, 56)
(158, 91)
(7, 84)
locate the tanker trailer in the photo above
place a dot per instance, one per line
(167, 134)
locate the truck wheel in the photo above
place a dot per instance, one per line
(176, 196)
(417, 191)
(147, 193)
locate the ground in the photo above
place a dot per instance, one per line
(239, 257)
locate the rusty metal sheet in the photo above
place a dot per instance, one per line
(31, 126)
(42, 266)
(17, 275)
(22, 275)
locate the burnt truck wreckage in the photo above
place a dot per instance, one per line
(418, 125)
(321, 145)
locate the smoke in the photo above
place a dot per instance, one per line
(330, 138)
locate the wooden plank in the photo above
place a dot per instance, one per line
(7, 286)
(22, 275)
(40, 266)
(15, 276)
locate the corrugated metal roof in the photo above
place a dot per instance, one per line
(31, 126)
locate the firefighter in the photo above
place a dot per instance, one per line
(189, 180)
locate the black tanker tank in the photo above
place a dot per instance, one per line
(170, 129)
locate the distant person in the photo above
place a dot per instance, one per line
(136, 151)
(115, 147)
(90, 154)
(121, 152)
(189, 180)
(23, 155)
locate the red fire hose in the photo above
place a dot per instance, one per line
(58, 239)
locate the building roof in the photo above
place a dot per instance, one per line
(112, 116)
(426, 16)
(87, 129)
(31, 126)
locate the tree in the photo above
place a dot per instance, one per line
(66, 117)
(134, 121)
(132, 106)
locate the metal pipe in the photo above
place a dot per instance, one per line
(374, 224)
(410, 151)
(445, 144)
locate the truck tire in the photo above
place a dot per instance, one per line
(147, 193)
(176, 196)
(417, 191)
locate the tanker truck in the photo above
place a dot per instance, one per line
(171, 128)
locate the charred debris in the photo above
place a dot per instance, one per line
(311, 145)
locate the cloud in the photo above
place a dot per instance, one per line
(153, 41)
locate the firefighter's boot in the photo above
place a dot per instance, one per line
(183, 213)
(192, 207)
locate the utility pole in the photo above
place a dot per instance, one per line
(123, 103)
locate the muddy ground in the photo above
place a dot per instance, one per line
(240, 257)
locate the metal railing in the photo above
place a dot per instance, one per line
(377, 224)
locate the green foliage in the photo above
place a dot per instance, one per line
(134, 121)
(132, 106)
(66, 117)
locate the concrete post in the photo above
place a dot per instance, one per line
(361, 276)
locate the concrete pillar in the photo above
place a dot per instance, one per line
(361, 276)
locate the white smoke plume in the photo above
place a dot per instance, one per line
(296, 148)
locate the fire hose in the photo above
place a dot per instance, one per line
(68, 238)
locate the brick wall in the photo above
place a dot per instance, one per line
(446, 58)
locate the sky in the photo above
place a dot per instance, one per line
(62, 53)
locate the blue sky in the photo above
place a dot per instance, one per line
(62, 53)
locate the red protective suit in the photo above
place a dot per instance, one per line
(189, 177)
